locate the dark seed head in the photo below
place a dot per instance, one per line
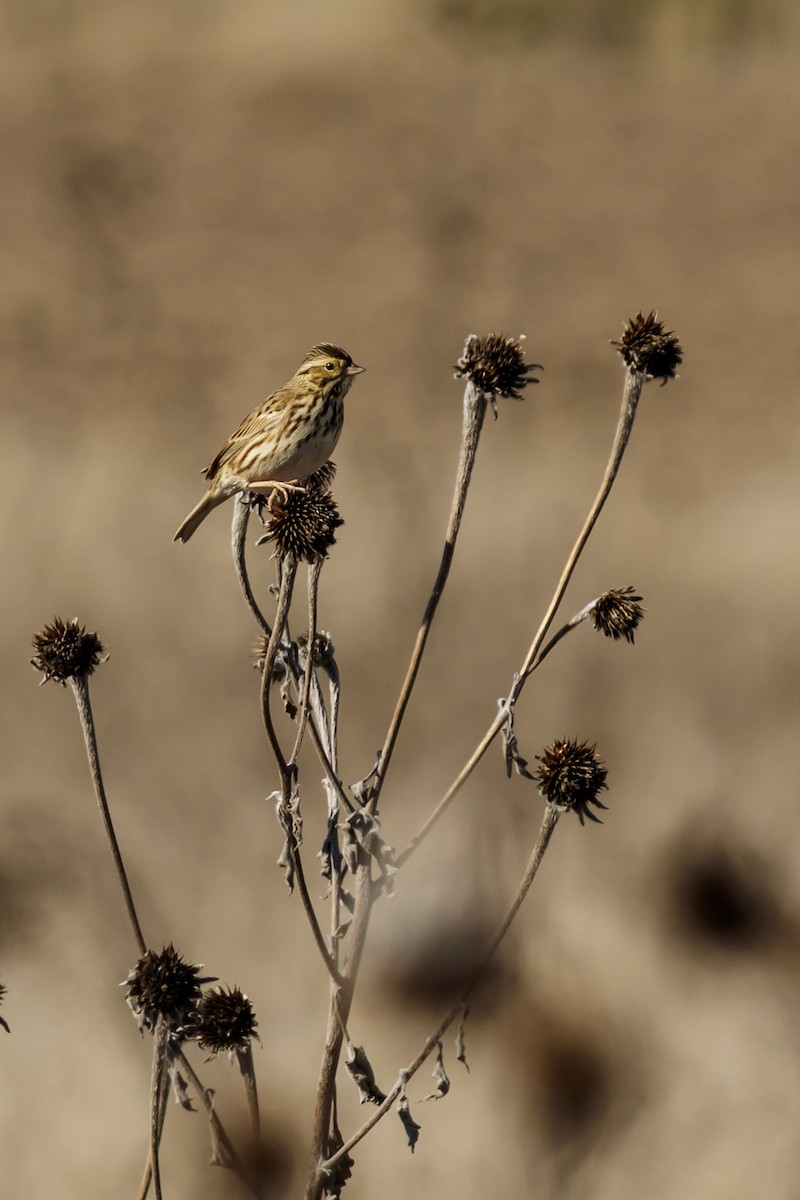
(617, 613)
(647, 347)
(570, 775)
(223, 1020)
(303, 525)
(496, 365)
(64, 650)
(163, 985)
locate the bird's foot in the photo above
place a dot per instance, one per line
(276, 491)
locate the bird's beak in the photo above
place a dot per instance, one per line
(355, 370)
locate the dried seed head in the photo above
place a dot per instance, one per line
(617, 613)
(2, 994)
(322, 650)
(323, 477)
(647, 347)
(259, 653)
(304, 525)
(496, 365)
(64, 650)
(163, 985)
(571, 775)
(223, 1020)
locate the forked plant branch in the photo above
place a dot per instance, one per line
(549, 822)
(634, 381)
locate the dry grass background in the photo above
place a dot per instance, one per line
(194, 193)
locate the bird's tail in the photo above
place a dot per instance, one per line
(210, 501)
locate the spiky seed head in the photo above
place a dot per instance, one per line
(571, 776)
(322, 651)
(647, 347)
(65, 650)
(163, 985)
(259, 653)
(496, 365)
(617, 613)
(303, 526)
(223, 1020)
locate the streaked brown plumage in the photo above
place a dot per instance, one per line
(286, 438)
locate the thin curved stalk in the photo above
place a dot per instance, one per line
(241, 517)
(340, 1001)
(313, 590)
(549, 822)
(160, 1037)
(244, 1057)
(80, 688)
(288, 571)
(631, 394)
(147, 1177)
(473, 416)
(224, 1153)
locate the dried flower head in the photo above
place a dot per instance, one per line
(303, 525)
(64, 650)
(617, 613)
(323, 477)
(223, 1020)
(163, 985)
(322, 649)
(647, 347)
(496, 365)
(259, 653)
(570, 775)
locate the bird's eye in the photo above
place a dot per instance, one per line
(329, 366)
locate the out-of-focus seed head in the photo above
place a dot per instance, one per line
(496, 365)
(322, 649)
(65, 650)
(2, 994)
(163, 985)
(223, 1020)
(617, 613)
(647, 347)
(570, 775)
(259, 653)
(303, 526)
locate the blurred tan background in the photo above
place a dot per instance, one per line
(192, 195)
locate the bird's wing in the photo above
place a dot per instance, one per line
(264, 419)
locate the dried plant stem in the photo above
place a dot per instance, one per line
(241, 517)
(313, 591)
(244, 1057)
(473, 416)
(571, 624)
(302, 887)
(80, 688)
(224, 1154)
(549, 822)
(632, 391)
(339, 1004)
(160, 1038)
(474, 411)
(631, 394)
(287, 570)
(288, 770)
(144, 1186)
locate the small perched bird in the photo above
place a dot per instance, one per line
(285, 439)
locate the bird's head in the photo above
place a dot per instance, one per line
(326, 363)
